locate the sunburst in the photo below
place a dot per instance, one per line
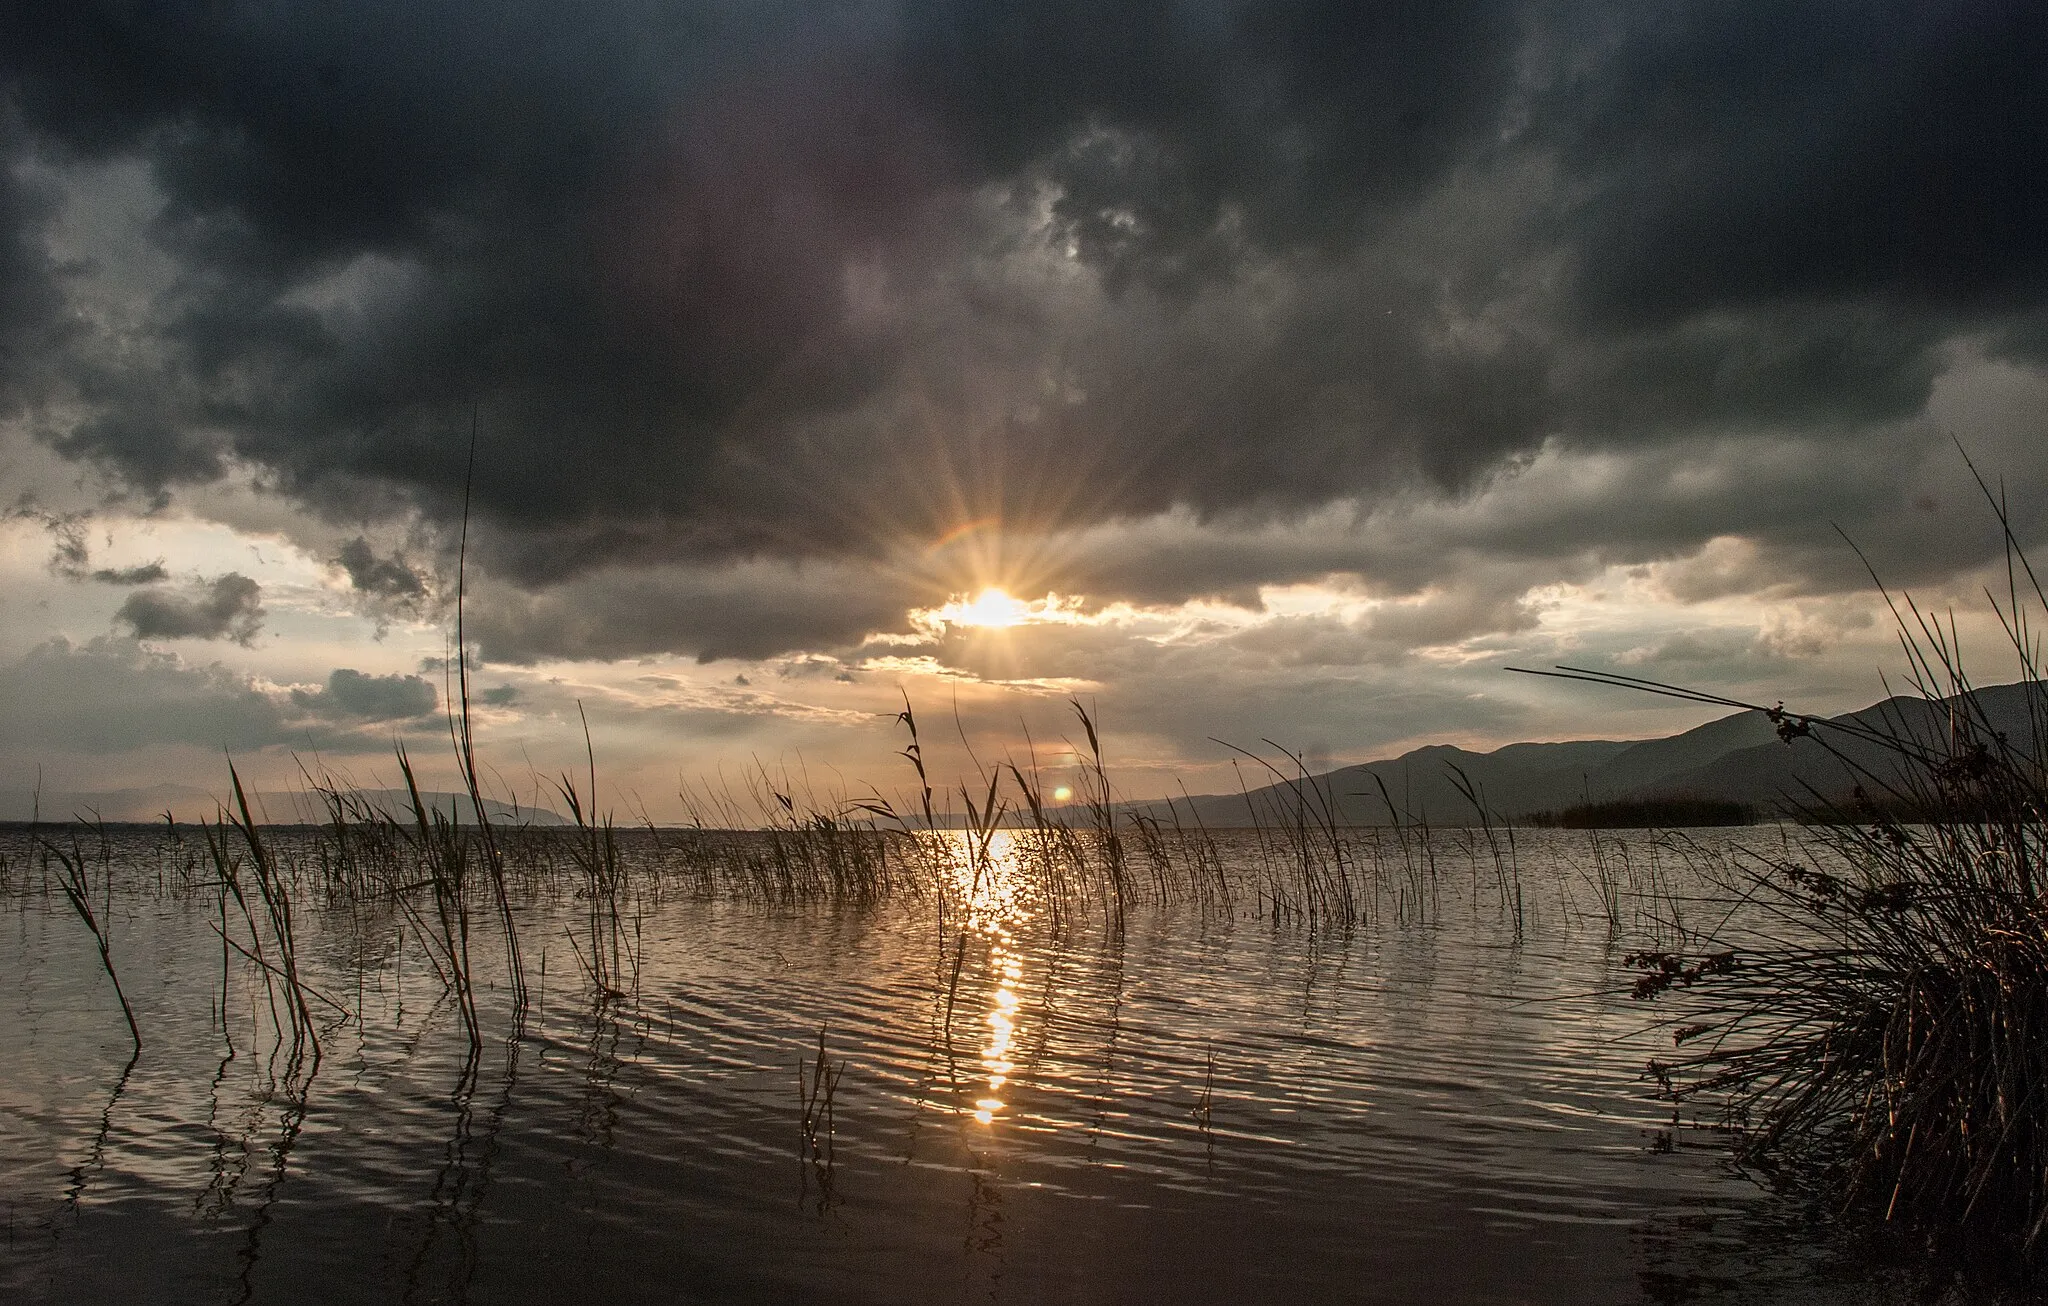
(992, 608)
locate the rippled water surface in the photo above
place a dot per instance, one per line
(1433, 1106)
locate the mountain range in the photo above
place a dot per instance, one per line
(1736, 759)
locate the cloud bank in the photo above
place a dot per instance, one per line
(753, 309)
(110, 695)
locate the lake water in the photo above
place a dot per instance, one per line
(1431, 1106)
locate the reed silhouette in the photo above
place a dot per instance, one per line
(1869, 1009)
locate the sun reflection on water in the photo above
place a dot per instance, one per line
(989, 883)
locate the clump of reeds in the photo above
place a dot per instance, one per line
(440, 848)
(1882, 1018)
(1507, 862)
(1873, 1013)
(777, 839)
(258, 885)
(1100, 802)
(1304, 827)
(595, 851)
(462, 735)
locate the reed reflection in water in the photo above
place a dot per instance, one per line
(1201, 1106)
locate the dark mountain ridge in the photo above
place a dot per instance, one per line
(1737, 758)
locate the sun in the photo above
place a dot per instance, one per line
(992, 608)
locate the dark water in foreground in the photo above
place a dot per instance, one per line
(1211, 1109)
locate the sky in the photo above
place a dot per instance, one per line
(1242, 372)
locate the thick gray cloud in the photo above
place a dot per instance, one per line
(353, 694)
(748, 611)
(228, 607)
(109, 695)
(1871, 153)
(34, 326)
(112, 694)
(746, 286)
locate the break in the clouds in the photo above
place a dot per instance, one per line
(745, 331)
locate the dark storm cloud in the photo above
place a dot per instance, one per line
(1552, 516)
(1742, 154)
(351, 693)
(388, 578)
(33, 323)
(1299, 121)
(229, 607)
(721, 283)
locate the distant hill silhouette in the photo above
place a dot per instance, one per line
(1735, 759)
(1805, 770)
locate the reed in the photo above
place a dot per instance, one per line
(1100, 802)
(1871, 1012)
(817, 1085)
(1609, 875)
(75, 880)
(260, 886)
(441, 850)
(1507, 865)
(1200, 853)
(1305, 821)
(594, 849)
(1050, 851)
(462, 737)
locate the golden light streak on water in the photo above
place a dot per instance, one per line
(990, 882)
